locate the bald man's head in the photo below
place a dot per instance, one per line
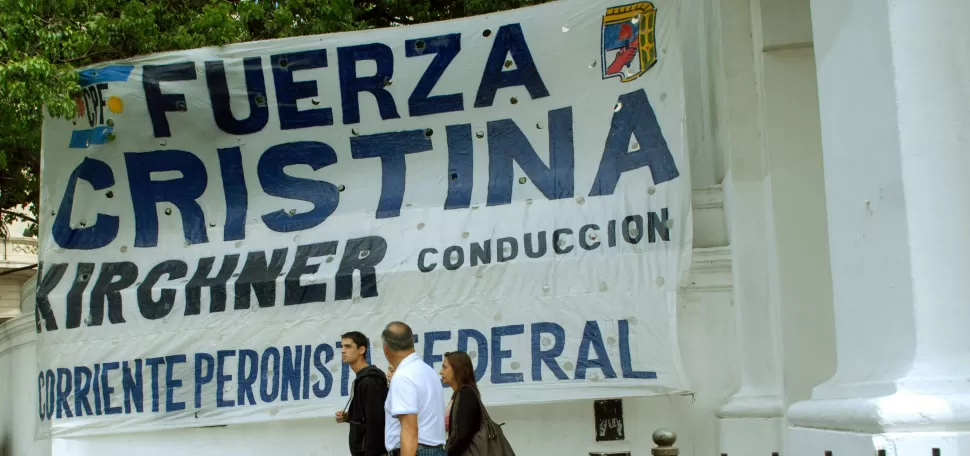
(397, 337)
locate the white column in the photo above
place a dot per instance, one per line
(759, 395)
(18, 383)
(894, 95)
(748, 419)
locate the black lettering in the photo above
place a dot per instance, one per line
(76, 294)
(422, 266)
(259, 276)
(453, 258)
(561, 249)
(294, 292)
(583, 241)
(611, 233)
(361, 254)
(150, 308)
(513, 247)
(114, 277)
(481, 253)
(533, 253)
(216, 285)
(635, 234)
(658, 225)
(45, 285)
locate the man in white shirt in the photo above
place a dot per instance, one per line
(414, 423)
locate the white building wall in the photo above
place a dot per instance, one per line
(16, 254)
(18, 384)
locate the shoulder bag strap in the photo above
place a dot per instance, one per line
(486, 419)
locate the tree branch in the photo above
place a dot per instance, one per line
(19, 215)
(91, 55)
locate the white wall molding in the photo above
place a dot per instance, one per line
(17, 332)
(27, 295)
(18, 252)
(710, 270)
(707, 198)
(707, 210)
(741, 405)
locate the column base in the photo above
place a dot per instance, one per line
(743, 405)
(816, 442)
(749, 436)
(901, 412)
(750, 424)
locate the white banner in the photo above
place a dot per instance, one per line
(513, 185)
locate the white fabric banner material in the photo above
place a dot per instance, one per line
(512, 185)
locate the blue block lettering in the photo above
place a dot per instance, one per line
(275, 182)
(461, 166)
(344, 375)
(153, 363)
(248, 371)
(507, 144)
(82, 387)
(107, 389)
(626, 363)
(222, 378)
(181, 192)
(351, 85)
(306, 370)
(481, 345)
(96, 389)
(63, 392)
(593, 337)
(133, 386)
(445, 48)
(159, 104)
(637, 120)
(171, 383)
(50, 382)
(237, 197)
(40, 397)
(204, 372)
(540, 356)
(498, 354)
(269, 389)
(215, 74)
(105, 227)
(509, 40)
(391, 148)
(288, 91)
(292, 371)
(320, 364)
(429, 339)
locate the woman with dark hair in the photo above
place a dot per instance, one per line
(463, 417)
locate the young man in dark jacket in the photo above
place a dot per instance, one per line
(365, 411)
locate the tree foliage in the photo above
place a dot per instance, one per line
(42, 42)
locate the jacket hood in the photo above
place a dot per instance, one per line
(371, 371)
